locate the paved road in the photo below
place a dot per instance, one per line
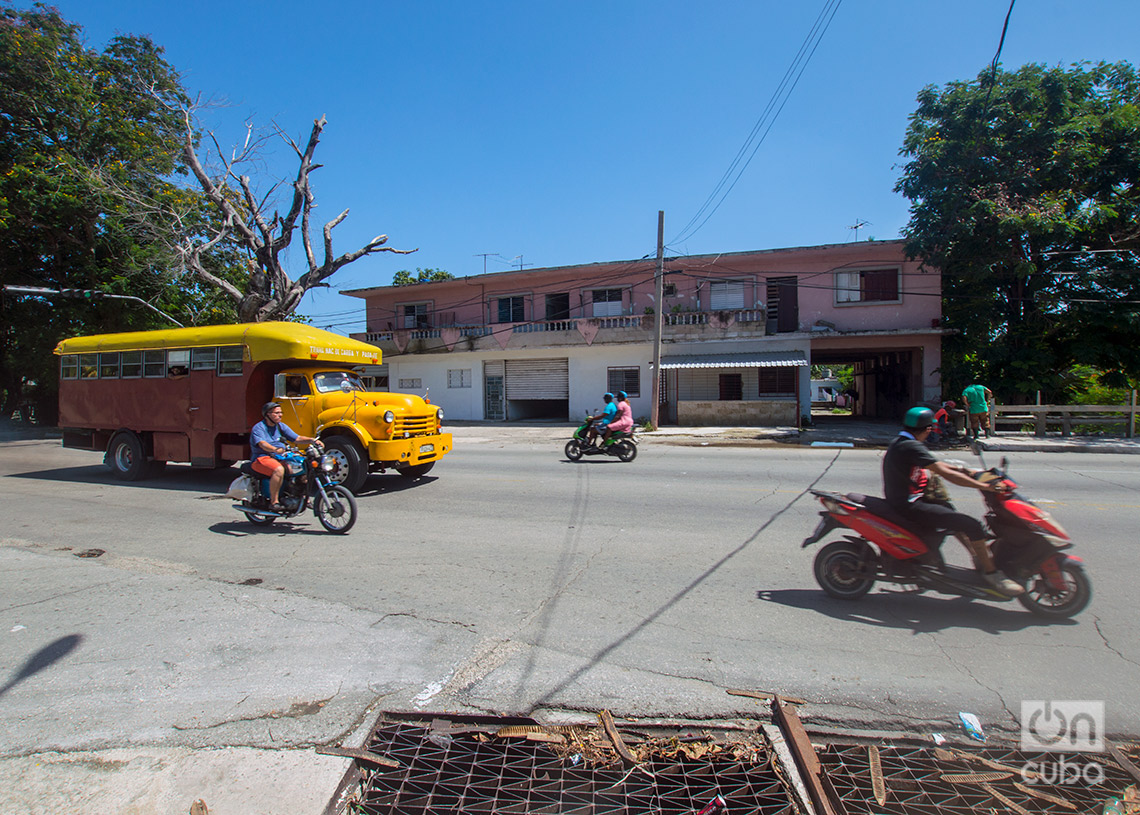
(198, 656)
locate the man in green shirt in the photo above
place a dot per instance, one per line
(978, 399)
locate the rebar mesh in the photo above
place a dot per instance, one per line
(916, 782)
(465, 772)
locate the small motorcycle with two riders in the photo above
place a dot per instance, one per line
(609, 433)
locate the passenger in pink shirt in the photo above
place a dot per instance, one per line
(624, 421)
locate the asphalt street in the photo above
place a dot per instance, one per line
(155, 648)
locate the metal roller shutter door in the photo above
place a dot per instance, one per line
(538, 379)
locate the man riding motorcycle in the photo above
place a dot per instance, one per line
(907, 469)
(603, 419)
(267, 441)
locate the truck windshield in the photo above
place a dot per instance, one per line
(331, 380)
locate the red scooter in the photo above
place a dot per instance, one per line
(1028, 549)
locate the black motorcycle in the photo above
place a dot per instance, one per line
(307, 483)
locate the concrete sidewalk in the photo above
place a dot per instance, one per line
(827, 432)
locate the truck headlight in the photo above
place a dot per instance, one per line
(439, 415)
(389, 417)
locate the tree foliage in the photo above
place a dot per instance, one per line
(406, 278)
(76, 126)
(1025, 193)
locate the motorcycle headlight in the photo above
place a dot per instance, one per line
(328, 464)
(389, 416)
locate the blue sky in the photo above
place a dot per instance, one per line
(551, 134)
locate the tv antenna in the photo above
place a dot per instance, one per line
(859, 224)
(486, 255)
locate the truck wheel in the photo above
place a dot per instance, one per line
(416, 470)
(126, 458)
(351, 463)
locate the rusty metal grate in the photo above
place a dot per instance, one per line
(453, 770)
(918, 781)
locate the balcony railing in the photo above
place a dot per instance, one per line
(629, 321)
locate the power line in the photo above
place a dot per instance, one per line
(767, 119)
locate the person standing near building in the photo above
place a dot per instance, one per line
(978, 399)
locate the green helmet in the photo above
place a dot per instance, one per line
(918, 418)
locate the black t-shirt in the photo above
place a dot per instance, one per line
(903, 466)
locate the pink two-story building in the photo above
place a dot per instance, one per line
(740, 333)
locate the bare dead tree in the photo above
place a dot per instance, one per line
(269, 294)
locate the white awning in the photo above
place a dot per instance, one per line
(756, 359)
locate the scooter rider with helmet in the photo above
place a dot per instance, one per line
(267, 440)
(907, 467)
(608, 414)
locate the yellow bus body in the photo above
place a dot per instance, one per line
(192, 394)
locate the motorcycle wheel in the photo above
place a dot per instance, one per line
(626, 451)
(259, 519)
(1042, 600)
(573, 449)
(839, 570)
(338, 513)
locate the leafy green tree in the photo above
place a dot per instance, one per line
(77, 128)
(405, 278)
(1025, 193)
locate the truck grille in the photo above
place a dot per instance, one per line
(414, 425)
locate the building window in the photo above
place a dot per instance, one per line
(414, 315)
(731, 388)
(607, 302)
(558, 306)
(459, 378)
(624, 379)
(778, 381)
(411, 384)
(510, 309)
(726, 295)
(867, 286)
(669, 289)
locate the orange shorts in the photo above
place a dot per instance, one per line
(265, 465)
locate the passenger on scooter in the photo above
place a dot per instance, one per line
(907, 467)
(608, 414)
(624, 421)
(267, 440)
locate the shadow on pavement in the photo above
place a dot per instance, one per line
(43, 658)
(920, 614)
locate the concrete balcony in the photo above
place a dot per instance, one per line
(688, 326)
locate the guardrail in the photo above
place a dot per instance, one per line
(1067, 416)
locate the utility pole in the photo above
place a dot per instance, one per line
(658, 320)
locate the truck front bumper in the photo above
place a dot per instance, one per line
(410, 451)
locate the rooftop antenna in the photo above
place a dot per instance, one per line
(486, 255)
(519, 258)
(859, 225)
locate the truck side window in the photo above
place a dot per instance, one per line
(296, 386)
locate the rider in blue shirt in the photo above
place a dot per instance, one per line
(268, 440)
(602, 419)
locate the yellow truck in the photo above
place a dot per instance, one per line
(192, 394)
